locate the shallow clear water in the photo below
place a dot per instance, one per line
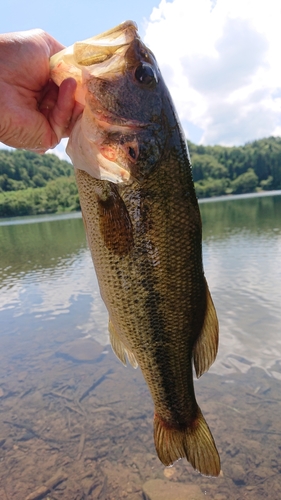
(77, 424)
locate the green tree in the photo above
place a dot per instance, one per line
(263, 157)
(207, 166)
(245, 183)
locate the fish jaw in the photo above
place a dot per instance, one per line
(100, 55)
(86, 156)
(91, 151)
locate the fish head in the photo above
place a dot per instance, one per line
(121, 133)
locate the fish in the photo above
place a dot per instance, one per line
(144, 230)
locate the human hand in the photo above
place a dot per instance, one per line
(35, 113)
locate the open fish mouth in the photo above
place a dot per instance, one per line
(104, 142)
(99, 56)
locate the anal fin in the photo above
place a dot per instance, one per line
(119, 349)
(206, 346)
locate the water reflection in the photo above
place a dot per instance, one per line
(46, 271)
(41, 244)
(242, 243)
(259, 215)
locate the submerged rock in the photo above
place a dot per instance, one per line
(86, 350)
(158, 489)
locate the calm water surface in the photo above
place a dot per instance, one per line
(75, 424)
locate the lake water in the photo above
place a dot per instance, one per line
(75, 424)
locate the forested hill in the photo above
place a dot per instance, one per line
(221, 170)
(35, 184)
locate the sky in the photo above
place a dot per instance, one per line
(220, 58)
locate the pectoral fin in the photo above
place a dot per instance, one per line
(206, 346)
(119, 349)
(114, 220)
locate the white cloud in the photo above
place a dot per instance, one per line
(221, 63)
(3, 146)
(59, 150)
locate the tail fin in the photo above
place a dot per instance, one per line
(196, 443)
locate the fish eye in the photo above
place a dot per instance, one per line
(132, 153)
(146, 75)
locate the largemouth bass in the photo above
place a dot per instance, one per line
(144, 230)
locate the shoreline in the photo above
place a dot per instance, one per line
(226, 197)
(32, 219)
